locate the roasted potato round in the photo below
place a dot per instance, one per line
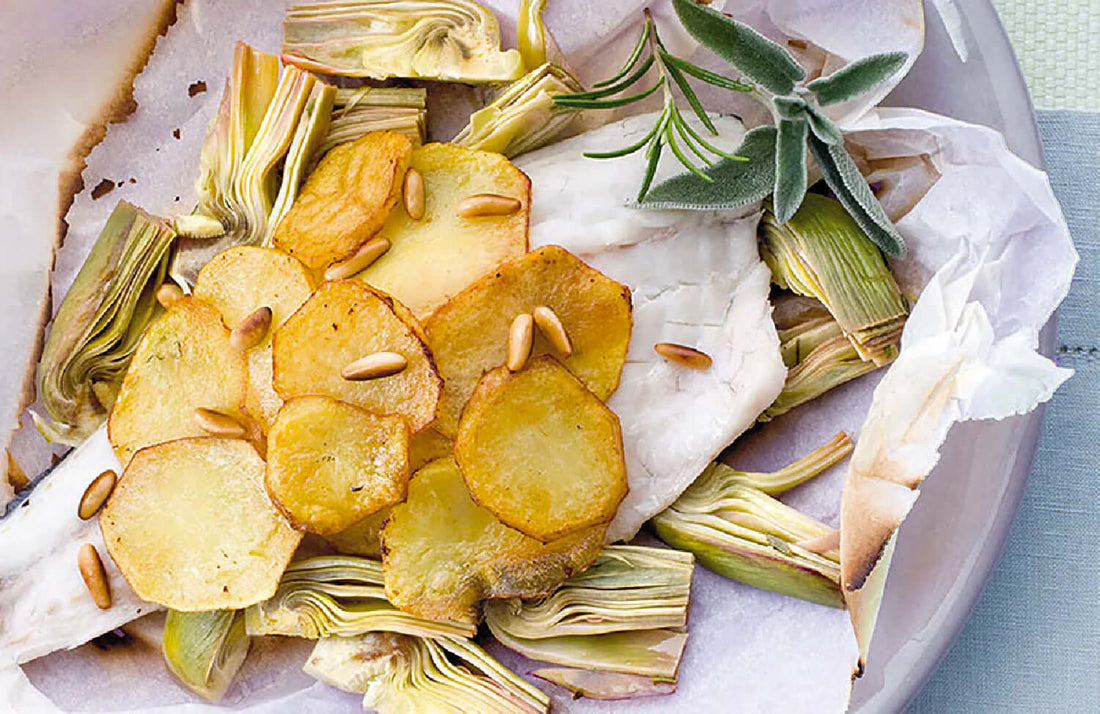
(442, 553)
(183, 362)
(362, 538)
(346, 199)
(343, 322)
(540, 451)
(331, 464)
(192, 528)
(469, 335)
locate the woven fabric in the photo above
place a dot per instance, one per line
(1057, 44)
(1033, 641)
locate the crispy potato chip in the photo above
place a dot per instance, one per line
(240, 280)
(331, 464)
(435, 257)
(540, 451)
(183, 362)
(429, 445)
(442, 554)
(346, 199)
(342, 322)
(363, 538)
(192, 528)
(469, 335)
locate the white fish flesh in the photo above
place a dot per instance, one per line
(697, 280)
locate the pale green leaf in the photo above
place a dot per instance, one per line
(857, 78)
(754, 55)
(790, 167)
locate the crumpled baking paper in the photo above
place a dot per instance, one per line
(749, 650)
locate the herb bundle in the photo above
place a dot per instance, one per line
(672, 129)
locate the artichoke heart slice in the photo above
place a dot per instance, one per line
(524, 117)
(205, 649)
(97, 328)
(627, 614)
(398, 673)
(450, 40)
(735, 526)
(822, 253)
(358, 111)
(339, 596)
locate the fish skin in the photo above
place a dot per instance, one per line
(696, 279)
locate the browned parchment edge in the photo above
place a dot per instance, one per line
(116, 108)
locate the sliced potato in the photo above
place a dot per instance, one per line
(242, 279)
(469, 334)
(433, 258)
(346, 199)
(540, 451)
(442, 553)
(192, 528)
(342, 322)
(429, 445)
(331, 464)
(183, 362)
(363, 538)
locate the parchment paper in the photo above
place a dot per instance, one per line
(739, 656)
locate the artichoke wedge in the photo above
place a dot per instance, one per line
(627, 613)
(399, 674)
(450, 40)
(359, 111)
(732, 523)
(205, 649)
(822, 253)
(524, 116)
(339, 595)
(96, 329)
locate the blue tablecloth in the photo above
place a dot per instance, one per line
(1033, 642)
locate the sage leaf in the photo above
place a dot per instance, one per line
(733, 183)
(851, 189)
(790, 167)
(822, 126)
(790, 107)
(857, 78)
(754, 55)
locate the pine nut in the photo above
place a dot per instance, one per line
(520, 335)
(487, 204)
(95, 577)
(414, 194)
(96, 494)
(219, 423)
(550, 326)
(370, 251)
(374, 366)
(681, 354)
(168, 295)
(252, 330)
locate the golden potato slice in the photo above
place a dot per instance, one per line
(342, 322)
(429, 445)
(435, 257)
(192, 528)
(363, 538)
(346, 199)
(540, 451)
(331, 464)
(183, 362)
(238, 281)
(442, 554)
(469, 334)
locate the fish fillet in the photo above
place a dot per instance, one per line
(697, 280)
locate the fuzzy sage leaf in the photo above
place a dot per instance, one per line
(798, 108)
(757, 57)
(851, 189)
(857, 78)
(790, 167)
(733, 183)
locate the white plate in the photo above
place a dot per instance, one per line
(954, 536)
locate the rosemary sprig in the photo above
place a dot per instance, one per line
(672, 129)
